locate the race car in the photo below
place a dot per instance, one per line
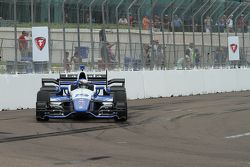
(85, 95)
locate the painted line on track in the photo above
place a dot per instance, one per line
(238, 136)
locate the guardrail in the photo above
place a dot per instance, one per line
(19, 91)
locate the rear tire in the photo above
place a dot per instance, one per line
(120, 102)
(43, 99)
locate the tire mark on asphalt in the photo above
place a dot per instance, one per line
(61, 133)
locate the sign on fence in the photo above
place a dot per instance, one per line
(233, 48)
(40, 43)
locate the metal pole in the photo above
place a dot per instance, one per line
(151, 30)
(211, 34)
(183, 26)
(117, 30)
(78, 27)
(91, 34)
(232, 14)
(202, 31)
(103, 12)
(64, 38)
(49, 37)
(107, 12)
(237, 16)
(15, 36)
(163, 34)
(173, 28)
(140, 27)
(219, 37)
(32, 11)
(129, 32)
(243, 36)
(193, 17)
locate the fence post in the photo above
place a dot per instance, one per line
(235, 10)
(173, 28)
(129, 32)
(15, 36)
(64, 38)
(193, 22)
(237, 16)
(49, 36)
(183, 26)
(211, 32)
(103, 12)
(243, 36)
(117, 30)
(78, 27)
(140, 28)
(32, 11)
(163, 34)
(91, 34)
(202, 32)
(219, 37)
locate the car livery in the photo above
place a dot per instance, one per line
(82, 94)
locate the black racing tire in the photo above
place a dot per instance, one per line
(120, 103)
(43, 99)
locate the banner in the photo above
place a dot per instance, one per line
(233, 48)
(40, 43)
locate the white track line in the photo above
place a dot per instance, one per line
(238, 136)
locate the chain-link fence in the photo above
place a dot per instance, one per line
(123, 34)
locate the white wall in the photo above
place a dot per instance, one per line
(19, 91)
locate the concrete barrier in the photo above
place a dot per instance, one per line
(19, 91)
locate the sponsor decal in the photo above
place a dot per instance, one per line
(40, 42)
(234, 47)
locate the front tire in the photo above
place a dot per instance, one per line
(43, 99)
(120, 103)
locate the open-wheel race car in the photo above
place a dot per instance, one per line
(82, 94)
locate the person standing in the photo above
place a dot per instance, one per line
(66, 62)
(23, 45)
(146, 23)
(230, 23)
(208, 24)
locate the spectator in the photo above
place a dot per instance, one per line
(208, 24)
(157, 22)
(184, 62)
(66, 18)
(131, 19)
(23, 45)
(191, 54)
(87, 19)
(230, 23)
(197, 57)
(66, 62)
(221, 24)
(177, 23)
(146, 55)
(75, 61)
(166, 24)
(241, 24)
(123, 21)
(29, 48)
(111, 56)
(102, 35)
(158, 54)
(146, 23)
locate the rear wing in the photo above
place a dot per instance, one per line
(67, 79)
(101, 79)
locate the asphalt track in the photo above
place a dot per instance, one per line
(196, 131)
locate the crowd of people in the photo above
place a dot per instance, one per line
(176, 23)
